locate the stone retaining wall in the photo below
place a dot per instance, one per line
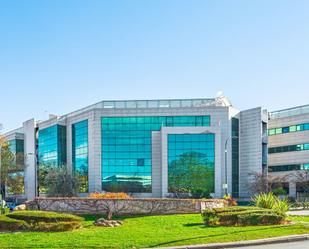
(124, 206)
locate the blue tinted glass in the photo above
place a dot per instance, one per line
(191, 160)
(80, 152)
(126, 149)
(51, 150)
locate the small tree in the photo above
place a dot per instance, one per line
(9, 168)
(263, 183)
(60, 182)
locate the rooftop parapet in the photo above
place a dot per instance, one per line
(298, 110)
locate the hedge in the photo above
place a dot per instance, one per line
(242, 216)
(43, 216)
(55, 226)
(39, 221)
(8, 224)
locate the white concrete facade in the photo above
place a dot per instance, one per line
(286, 118)
(220, 111)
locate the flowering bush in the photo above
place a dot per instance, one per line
(108, 195)
(231, 201)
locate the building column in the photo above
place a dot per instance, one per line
(30, 159)
(292, 189)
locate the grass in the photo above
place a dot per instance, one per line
(148, 231)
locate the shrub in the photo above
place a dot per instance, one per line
(60, 182)
(39, 221)
(241, 216)
(231, 201)
(43, 216)
(120, 195)
(265, 200)
(8, 224)
(55, 226)
(260, 219)
(200, 193)
(271, 201)
(279, 191)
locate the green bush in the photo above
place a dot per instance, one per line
(279, 191)
(265, 200)
(242, 216)
(271, 201)
(55, 226)
(259, 219)
(8, 224)
(39, 221)
(43, 216)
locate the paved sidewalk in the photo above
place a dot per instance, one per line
(299, 240)
(299, 212)
(288, 245)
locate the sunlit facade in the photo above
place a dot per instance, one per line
(148, 148)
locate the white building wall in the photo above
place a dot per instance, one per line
(289, 158)
(30, 159)
(192, 130)
(250, 148)
(250, 141)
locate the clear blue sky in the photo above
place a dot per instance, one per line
(57, 56)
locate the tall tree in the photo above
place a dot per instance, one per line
(12, 169)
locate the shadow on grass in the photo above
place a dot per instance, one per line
(194, 225)
(264, 229)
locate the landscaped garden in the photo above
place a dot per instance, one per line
(28, 229)
(148, 231)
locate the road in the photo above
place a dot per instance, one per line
(291, 245)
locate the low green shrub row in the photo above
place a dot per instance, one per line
(43, 216)
(241, 216)
(8, 224)
(55, 226)
(39, 221)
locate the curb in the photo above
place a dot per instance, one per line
(276, 240)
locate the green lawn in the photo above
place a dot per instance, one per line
(149, 231)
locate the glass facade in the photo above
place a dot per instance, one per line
(288, 129)
(289, 167)
(80, 152)
(191, 163)
(126, 149)
(235, 157)
(15, 183)
(51, 151)
(288, 148)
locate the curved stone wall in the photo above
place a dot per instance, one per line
(124, 206)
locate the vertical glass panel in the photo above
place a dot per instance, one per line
(186, 103)
(278, 130)
(15, 175)
(175, 103)
(131, 104)
(126, 149)
(191, 163)
(141, 104)
(164, 103)
(51, 151)
(153, 104)
(292, 128)
(120, 104)
(80, 153)
(109, 104)
(235, 157)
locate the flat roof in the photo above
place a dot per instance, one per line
(298, 110)
(159, 103)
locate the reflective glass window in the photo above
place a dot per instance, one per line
(51, 151)
(126, 149)
(80, 152)
(191, 163)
